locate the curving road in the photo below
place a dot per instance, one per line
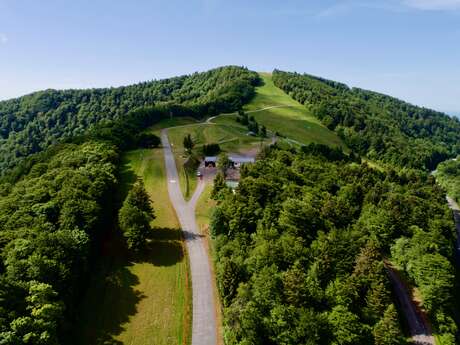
(204, 330)
(419, 330)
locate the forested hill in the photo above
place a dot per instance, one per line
(300, 246)
(380, 127)
(31, 123)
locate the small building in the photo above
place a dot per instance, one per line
(210, 161)
(238, 161)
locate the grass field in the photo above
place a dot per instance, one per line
(231, 136)
(290, 119)
(269, 95)
(143, 299)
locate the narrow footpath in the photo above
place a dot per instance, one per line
(204, 330)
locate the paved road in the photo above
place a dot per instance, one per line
(204, 331)
(419, 330)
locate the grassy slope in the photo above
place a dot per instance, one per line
(144, 299)
(292, 120)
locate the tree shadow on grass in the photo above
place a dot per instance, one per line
(111, 300)
(128, 176)
(165, 234)
(163, 248)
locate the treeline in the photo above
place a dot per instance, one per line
(380, 127)
(299, 250)
(31, 123)
(49, 221)
(448, 176)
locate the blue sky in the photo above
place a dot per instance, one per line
(406, 48)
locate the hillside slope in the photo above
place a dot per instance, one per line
(381, 127)
(32, 123)
(288, 117)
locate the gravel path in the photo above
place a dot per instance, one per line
(204, 331)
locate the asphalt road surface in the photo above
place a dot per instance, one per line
(204, 331)
(419, 330)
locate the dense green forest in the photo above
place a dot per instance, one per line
(300, 250)
(56, 202)
(48, 223)
(32, 123)
(448, 175)
(380, 127)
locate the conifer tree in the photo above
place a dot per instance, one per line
(135, 216)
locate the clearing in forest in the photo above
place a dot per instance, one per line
(287, 116)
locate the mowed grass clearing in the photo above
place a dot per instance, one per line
(290, 118)
(142, 299)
